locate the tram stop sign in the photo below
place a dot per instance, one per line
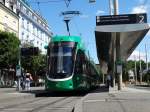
(18, 70)
(119, 66)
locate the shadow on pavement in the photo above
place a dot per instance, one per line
(142, 85)
(100, 89)
(43, 93)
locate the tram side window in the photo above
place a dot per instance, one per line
(93, 71)
(78, 63)
(48, 51)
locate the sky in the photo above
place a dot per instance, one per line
(84, 25)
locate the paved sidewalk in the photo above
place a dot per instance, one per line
(9, 93)
(127, 89)
(126, 100)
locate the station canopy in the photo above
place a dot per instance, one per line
(131, 28)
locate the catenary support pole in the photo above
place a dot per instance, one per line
(140, 68)
(113, 57)
(135, 69)
(111, 7)
(113, 35)
(118, 54)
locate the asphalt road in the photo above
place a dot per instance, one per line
(130, 99)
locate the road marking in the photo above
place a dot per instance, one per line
(58, 108)
(89, 101)
(104, 100)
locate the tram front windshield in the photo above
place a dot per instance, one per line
(61, 58)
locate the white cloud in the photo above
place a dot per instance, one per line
(84, 16)
(135, 56)
(141, 1)
(100, 12)
(148, 34)
(140, 9)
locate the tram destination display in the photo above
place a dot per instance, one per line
(121, 19)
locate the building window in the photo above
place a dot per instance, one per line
(35, 18)
(37, 33)
(32, 15)
(14, 23)
(24, 9)
(11, 6)
(33, 30)
(27, 37)
(6, 22)
(22, 36)
(27, 11)
(40, 34)
(21, 7)
(23, 22)
(28, 25)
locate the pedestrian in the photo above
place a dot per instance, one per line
(28, 81)
(109, 77)
(23, 79)
(108, 80)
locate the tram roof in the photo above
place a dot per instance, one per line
(67, 38)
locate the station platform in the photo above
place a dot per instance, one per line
(112, 100)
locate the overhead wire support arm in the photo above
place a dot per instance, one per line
(68, 16)
(67, 2)
(67, 24)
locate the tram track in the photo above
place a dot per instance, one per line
(15, 105)
(41, 107)
(51, 104)
(46, 102)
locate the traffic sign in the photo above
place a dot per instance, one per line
(18, 70)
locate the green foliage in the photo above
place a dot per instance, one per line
(34, 64)
(9, 49)
(130, 65)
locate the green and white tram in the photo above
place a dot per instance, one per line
(69, 68)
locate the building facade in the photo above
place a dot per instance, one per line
(33, 28)
(9, 20)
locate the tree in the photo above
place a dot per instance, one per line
(35, 64)
(130, 65)
(9, 49)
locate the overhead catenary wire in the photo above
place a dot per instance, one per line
(48, 1)
(67, 2)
